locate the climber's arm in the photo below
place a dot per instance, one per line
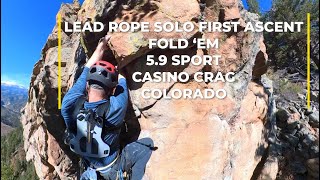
(98, 53)
(121, 92)
(71, 97)
(119, 102)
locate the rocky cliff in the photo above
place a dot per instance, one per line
(196, 139)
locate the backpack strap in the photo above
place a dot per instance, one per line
(78, 106)
(102, 112)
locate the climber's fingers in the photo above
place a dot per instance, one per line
(107, 38)
(105, 41)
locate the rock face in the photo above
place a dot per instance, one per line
(196, 139)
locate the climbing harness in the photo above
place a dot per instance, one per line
(120, 174)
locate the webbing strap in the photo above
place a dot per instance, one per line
(109, 165)
(103, 110)
(78, 106)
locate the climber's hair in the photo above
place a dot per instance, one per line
(97, 87)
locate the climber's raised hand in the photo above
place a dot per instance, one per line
(98, 53)
(103, 42)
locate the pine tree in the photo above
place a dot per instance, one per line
(253, 6)
(289, 49)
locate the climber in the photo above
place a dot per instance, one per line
(93, 110)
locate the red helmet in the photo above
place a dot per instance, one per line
(104, 74)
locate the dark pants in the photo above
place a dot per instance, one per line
(133, 160)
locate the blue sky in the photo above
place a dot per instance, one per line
(25, 29)
(265, 5)
(25, 26)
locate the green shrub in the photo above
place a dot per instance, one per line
(288, 89)
(13, 163)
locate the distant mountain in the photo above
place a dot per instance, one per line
(13, 99)
(9, 117)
